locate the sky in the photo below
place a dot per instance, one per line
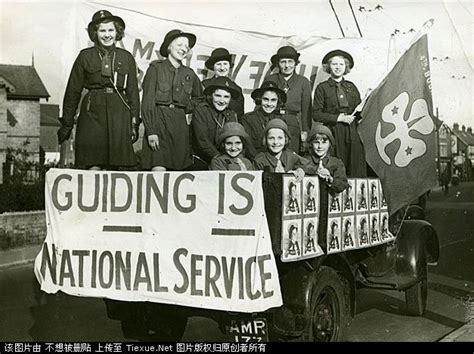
(42, 28)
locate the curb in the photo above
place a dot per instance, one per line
(464, 333)
(19, 256)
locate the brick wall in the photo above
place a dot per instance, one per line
(21, 229)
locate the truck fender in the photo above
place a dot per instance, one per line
(417, 239)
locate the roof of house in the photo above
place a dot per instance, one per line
(26, 81)
(464, 136)
(49, 115)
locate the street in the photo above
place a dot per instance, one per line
(28, 314)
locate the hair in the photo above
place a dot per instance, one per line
(363, 221)
(373, 186)
(374, 219)
(384, 219)
(258, 100)
(310, 225)
(118, 28)
(333, 225)
(221, 146)
(348, 221)
(291, 229)
(290, 186)
(309, 185)
(327, 66)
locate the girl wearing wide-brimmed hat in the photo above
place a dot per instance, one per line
(169, 93)
(221, 62)
(269, 98)
(210, 117)
(334, 103)
(231, 143)
(109, 117)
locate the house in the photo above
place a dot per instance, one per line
(463, 151)
(445, 153)
(21, 90)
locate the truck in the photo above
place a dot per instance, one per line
(319, 293)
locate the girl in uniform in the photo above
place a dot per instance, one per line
(169, 93)
(109, 117)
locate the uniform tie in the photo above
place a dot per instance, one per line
(106, 65)
(279, 167)
(241, 164)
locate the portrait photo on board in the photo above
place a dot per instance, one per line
(335, 203)
(361, 194)
(348, 197)
(292, 197)
(383, 201)
(311, 246)
(374, 229)
(291, 242)
(362, 230)
(334, 235)
(310, 195)
(348, 235)
(384, 233)
(374, 194)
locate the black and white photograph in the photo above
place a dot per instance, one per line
(213, 175)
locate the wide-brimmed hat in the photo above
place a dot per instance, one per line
(320, 128)
(173, 34)
(285, 52)
(218, 54)
(232, 129)
(276, 123)
(339, 52)
(224, 83)
(100, 16)
(269, 86)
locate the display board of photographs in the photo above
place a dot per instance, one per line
(357, 217)
(300, 219)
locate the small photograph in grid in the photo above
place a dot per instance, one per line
(383, 201)
(348, 236)
(374, 229)
(384, 233)
(291, 242)
(361, 194)
(348, 197)
(292, 196)
(335, 203)
(334, 235)
(374, 194)
(310, 195)
(362, 230)
(311, 237)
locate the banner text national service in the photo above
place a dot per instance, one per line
(196, 239)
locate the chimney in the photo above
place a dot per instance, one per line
(456, 127)
(469, 130)
(463, 128)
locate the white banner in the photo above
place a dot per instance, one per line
(253, 50)
(196, 239)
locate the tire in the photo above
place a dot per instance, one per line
(328, 312)
(417, 295)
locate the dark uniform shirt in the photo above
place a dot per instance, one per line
(290, 160)
(236, 103)
(207, 125)
(103, 134)
(254, 124)
(298, 94)
(224, 162)
(326, 109)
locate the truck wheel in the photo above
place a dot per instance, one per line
(416, 296)
(328, 308)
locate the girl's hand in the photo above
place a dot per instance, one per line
(344, 118)
(154, 142)
(299, 174)
(325, 174)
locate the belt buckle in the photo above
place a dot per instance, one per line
(172, 106)
(109, 90)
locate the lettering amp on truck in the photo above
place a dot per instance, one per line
(162, 247)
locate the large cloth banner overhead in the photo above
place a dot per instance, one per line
(196, 239)
(398, 129)
(144, 35)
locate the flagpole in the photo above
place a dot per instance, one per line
(438, 162)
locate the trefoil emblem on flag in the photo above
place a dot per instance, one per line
(419, 120)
